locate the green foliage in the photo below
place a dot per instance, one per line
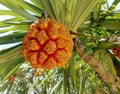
(12, 38)
(95, 24)
(111, 25)
(16, 7)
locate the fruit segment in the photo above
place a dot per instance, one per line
(50, 47)
(42, 57)
(42, 37)
(33, 45)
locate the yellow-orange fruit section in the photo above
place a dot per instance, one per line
(47, 44)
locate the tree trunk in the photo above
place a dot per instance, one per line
(97, 67)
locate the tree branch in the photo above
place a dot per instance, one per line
(97, 67)
(99, 91)
(78, 34)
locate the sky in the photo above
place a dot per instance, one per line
(6, 17)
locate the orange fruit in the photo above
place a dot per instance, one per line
(11, 78)
(116, 51)
(47, 44)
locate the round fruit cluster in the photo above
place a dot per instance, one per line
(116, 51)
(47, 44)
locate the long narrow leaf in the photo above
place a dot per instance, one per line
(8, 12)
(9, 49)
(3, 25)
(12, 54)
(48, 8)
(111, 25)
(18, 27)
(30, 7)
(38, 4)
(15, 6)
(55, 6)
(114, 4)
(12, 38)
(81, 12)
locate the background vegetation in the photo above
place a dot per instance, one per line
(93, 67)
